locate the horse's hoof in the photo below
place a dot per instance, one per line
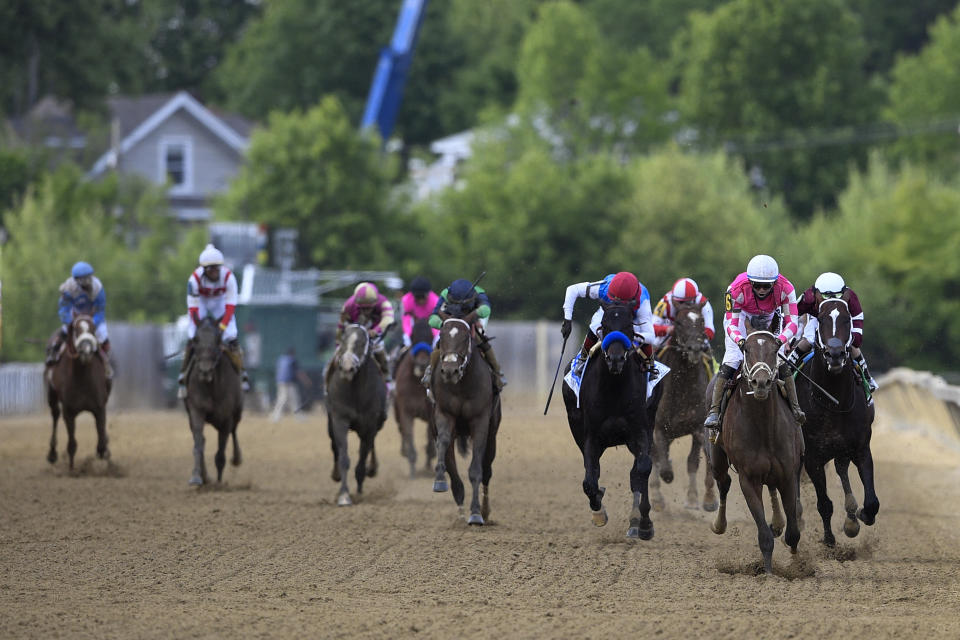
(195, 480)
(335, 474)
(851, 527)
(52, 456)
(657, 503)
(645, 534)
(236, 460)
(692, 501)
(866, 518)
(830, 542)
(633, 533)
(439, 486)
(475, 518)
(343, 500)
(599, 517)
(372, 472)
(719, 528)
(711, 506)
(776, 531)
(666, 475)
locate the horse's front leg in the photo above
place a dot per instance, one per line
(661, 463)
(591, 479)
(778, 521)
(407, 448)
(693, 467)
(640, 524)
(199, 474)
(871, 503)
(220, 459)
(719, 467)
(753, 494)
(237, 457)
(475, 473)
(710, 502)
(338, 434)
(70, 420)
(444, 437)
(103, 451)
(850, 525)
(824, 504)
(360, 471)
(54, 404)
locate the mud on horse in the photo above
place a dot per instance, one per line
(78, 382)
(839, 431)
(613, 410)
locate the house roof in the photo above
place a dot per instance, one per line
(140, 116)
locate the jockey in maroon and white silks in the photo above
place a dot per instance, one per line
(217, 298)
(742, 305)
(686, 291)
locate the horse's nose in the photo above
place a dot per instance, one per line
(834, 343)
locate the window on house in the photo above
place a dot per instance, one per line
(176, 164)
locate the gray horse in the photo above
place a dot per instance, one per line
(356, 399)
(214, 395)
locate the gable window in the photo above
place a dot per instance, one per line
(176, 163)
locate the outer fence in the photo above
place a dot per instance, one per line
(528, 352)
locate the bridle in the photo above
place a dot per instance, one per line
(833, 316)
(455, 356)
(355, 360)
(751, 372)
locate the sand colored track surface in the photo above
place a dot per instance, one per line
(128, 550)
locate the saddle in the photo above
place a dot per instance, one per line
(731, 386)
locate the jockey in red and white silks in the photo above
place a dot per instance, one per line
(686, 291)
(216, 298)
(743, 305)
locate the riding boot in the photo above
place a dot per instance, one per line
(53, 351)
(428, 372)
(107, 366)
(499, 380)
(580, 361)
(182, 377)
(236, 354)
(713, 416)
(791, 388)
(862, 363)
(381, 358)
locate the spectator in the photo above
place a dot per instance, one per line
(288, 373)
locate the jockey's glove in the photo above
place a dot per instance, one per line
(565, 329)
(222, 326)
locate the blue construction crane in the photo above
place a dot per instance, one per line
(386, 90)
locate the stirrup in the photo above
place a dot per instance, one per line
(713, 435)
(181, 392)
(715, 422)
(579, 364)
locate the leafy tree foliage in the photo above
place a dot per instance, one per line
(896, 28)
(925, 90)
(314, 171)
(761, 75)
(648, 23)
(121, 228)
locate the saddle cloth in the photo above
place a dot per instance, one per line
(574, 381)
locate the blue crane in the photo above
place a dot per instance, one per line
(386, 90)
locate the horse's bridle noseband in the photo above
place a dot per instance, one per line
(750, 372)
(462, 365)
(357, 360)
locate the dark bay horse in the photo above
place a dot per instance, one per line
(613, 410)
(214, 395)
(78, 382)
(466, 408)
(683, 408)
(410, 399)
(761, 439)
(840, 432)
(356, 399)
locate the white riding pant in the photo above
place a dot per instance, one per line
(230, 333)
(732, 355)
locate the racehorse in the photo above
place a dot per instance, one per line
(214, 395)
(761, 439)
(466, 408)
(410, 400)
(837, 431)
(78, 382)
(613, 410)
(682, 410)
(356, 399)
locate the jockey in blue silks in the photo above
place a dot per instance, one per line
(82, 292)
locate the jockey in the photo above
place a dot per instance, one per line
(370, 309)
(616, 288)
(685, 291)
(758, 297)
(212, 291)
(82, 292)
(416, 304)
(831, 285)
(459, 300)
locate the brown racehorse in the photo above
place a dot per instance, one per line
(761, 439)
(410, 401)
(682, 408)
(78, 382)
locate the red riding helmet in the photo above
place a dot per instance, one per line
(624, 287)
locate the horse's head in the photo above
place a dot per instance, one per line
(455, 345)
(207, 349)
(353, 350)
(835, 333)
(688, 330)
(83, 336)
(760, 362)
(616, 327)
(421, 338)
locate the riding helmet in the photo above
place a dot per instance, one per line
(829, 284)
(762, 269)
(365, 294)
(624, 287)
(211, 257)
(685, 290)
(419, 286)
(81, 269)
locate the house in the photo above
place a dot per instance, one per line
(174, 139)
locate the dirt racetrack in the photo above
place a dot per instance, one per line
(129, 550)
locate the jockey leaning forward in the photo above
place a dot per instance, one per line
(370, 309)
(459, 300)
(616, 288)
(684, 291)
(417, 304)
(212, 291)
(82, 292)
(831, 285)
(761, 297)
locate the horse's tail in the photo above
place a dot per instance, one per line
(463, 444)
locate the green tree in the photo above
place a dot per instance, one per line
(896, 28)
(925, 92)
(315, 172)
(760, 76)
(649, 23)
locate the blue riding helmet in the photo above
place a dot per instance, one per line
(81, 269)
(460, 291)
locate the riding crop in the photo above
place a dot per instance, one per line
(559, 364)
(818, 387)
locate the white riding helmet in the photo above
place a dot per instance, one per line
(685, 289)
(211, 257)
(763, 269)
(829, 284)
